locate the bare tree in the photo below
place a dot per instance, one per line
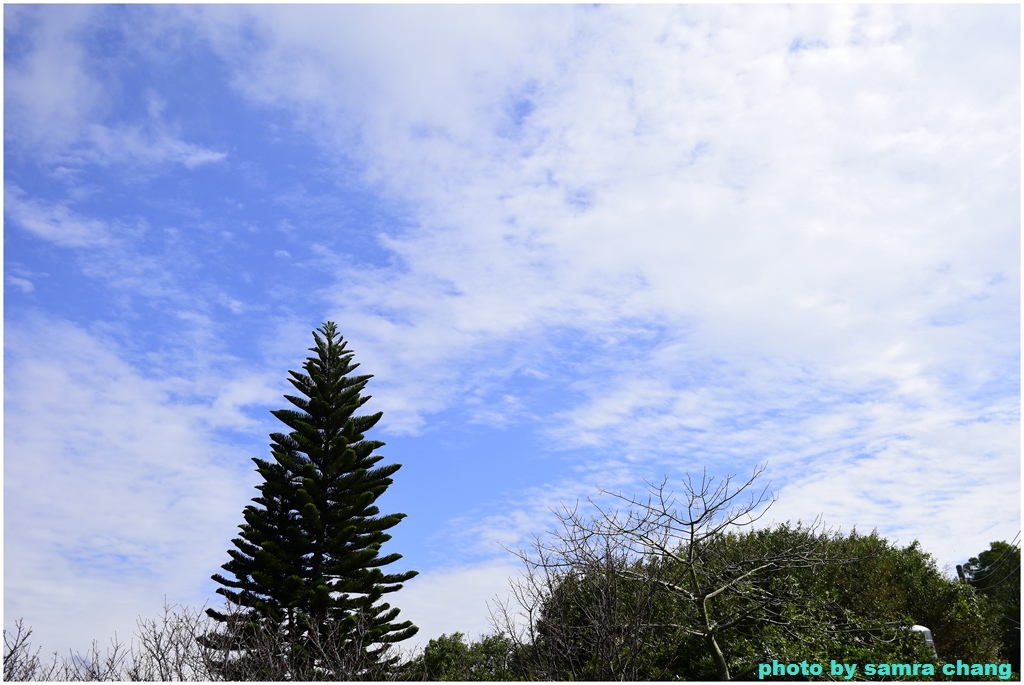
(678, 548)
(170, 648)
(578, 615)
(163, 649)
(21, 662)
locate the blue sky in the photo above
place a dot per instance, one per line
(576, 246)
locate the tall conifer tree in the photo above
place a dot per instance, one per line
(306, 573)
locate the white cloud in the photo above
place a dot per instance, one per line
(22, 284)
(454, 599)
(56, 223)
(131, 145)
(948, 482)
(48, 92)
(823, 202)
(135, 261)
(58, 102)
(117, 488)
(808, 201)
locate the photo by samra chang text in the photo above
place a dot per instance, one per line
(847, 671)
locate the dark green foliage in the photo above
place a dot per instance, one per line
(854, 604)
(863, 605)
(594, 625)
(493, 657)
(995, 573)
(890, 585)
(306, 572)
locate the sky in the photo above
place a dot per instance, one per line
(576, 246)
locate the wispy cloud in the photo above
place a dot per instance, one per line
(48, 93)
(119, 486)
(59, 102)
(810, 206)
(809, 237)
(56, 223)
(23, 284)
(108, 146)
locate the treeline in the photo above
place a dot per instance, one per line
(676, 585)
(597, 623)
(601, 624)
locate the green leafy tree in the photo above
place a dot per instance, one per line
(995, 573)
(595, 594)
(638, 624)
(305, 582)
(678, 589)
(866, 605)
(451, 658)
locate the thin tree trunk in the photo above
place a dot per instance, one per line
(716, 653)
(721, 666)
